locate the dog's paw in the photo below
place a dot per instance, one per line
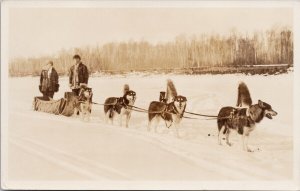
(229, 144)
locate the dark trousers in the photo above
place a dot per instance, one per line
(48, 94)
(76, 91)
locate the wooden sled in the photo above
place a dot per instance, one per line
(64, 106)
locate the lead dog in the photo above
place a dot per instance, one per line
(120, 105)
(243, 120)
(170, 109)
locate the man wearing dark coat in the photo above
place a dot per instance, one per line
(49, 80)
(78, 75)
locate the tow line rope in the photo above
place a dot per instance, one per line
(202, 115)
(142, 110)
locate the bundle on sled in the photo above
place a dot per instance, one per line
(64, 106)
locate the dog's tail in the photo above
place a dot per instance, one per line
(126, 88)
(171, 91)
(244, 98)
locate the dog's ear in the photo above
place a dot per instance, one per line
(260, 103)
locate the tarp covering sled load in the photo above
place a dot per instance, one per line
(64, 106)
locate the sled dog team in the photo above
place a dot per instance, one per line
(170, 108)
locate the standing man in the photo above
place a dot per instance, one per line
(78, 75)
(49, 80)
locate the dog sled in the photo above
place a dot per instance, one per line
(64, 106)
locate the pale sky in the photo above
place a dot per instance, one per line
(42, 31)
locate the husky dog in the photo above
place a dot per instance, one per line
(170, 109)
(83, 103)
(243, 120)
(120, 105)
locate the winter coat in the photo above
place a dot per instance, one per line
(49, 84)
(82, 73)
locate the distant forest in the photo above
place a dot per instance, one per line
(274, 46)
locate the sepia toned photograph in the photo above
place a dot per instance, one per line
(150, 95)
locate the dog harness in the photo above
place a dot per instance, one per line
(170, 109)
(240, 117)
(120, 102)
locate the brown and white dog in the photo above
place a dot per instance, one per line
(242, 120)
(170, 109)
(120, 106)
(83, 103)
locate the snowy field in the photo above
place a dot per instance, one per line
(43, 146)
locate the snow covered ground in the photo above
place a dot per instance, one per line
(43, 147)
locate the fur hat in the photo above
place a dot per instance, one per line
(76, 56)
(50, 62)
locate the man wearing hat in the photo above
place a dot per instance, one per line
(78, 75)
(49, 80)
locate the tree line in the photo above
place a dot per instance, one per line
(274, 46)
